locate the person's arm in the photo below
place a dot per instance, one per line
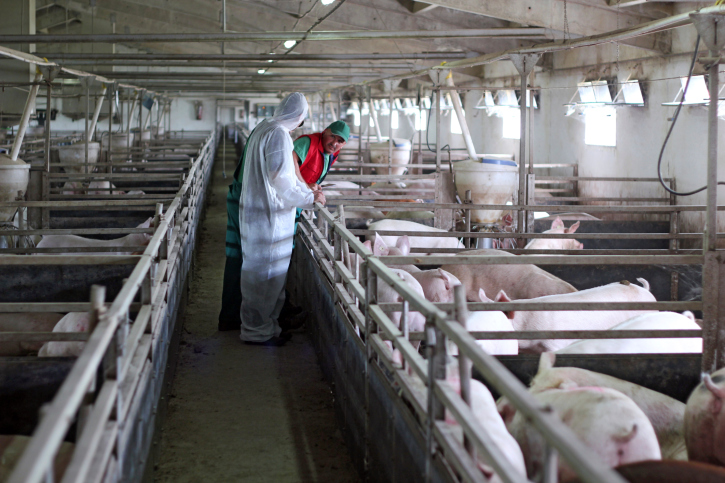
(288, 190)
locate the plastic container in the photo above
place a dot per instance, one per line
(401, 155)
(491, 181)
(14, 177)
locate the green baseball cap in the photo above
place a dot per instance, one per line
(339, 128)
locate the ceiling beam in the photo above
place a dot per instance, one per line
(582, 19)
(61, 57)
(528, 33)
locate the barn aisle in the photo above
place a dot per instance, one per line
(238, 412)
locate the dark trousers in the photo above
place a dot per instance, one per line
(229, 318)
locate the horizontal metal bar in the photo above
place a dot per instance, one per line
(12, 260)
(504, 32)
(536, 305)
(43, 336)
(548, 260)
(577, 334)
(255, 57)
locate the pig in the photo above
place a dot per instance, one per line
(518, 281)
(415, 241)
(25, 322)
(13, 446)
(73, 188)
(557, 226)
(485, 413)
(416, 320)
(103, 188)
(665, 413)
(490, 321)
(575, 320)
(705, 420)
(653, 321)
(66, 241)
(437, 284)
(72, 322)
(401, 248)
(609, 423)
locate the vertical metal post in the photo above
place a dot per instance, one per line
(390, 134)
(711, 28)
(464, 364)
(88, 112)
(45, 213)
(467, 201)
(371, 297)
(109, 157)
(438, 105)
(436, 343)
(524, 63)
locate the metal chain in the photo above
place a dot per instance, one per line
(566, 23)
(619, 5)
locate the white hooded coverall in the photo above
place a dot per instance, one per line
(270, 193)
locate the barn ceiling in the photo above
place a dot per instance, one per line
(561, 18)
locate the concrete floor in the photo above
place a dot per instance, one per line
(238, 412)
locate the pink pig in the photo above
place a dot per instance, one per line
(557, 226)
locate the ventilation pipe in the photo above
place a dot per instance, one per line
(461, 118)
(96, 113)
(29, 106)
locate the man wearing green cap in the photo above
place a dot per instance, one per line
(316, 153)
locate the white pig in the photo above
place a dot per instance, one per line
(437, 284)
(665, 413)
(653, 321)
(705, 420)
(66, 241)
(606, 421)
(103, 188)
(415, 241)
(25, 322)
(72, 322)
(491, 321)
(576, 320)
(416, 320)
(518, 281)
(557, 226)
(485, 413)
(401, 248)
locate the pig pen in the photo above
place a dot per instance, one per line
(385, 419)
(106, 400)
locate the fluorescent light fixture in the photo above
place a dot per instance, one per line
(288, 44)
(270, 60)
(261, 71)
(326, 2)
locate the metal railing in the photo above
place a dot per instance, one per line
(121, 357)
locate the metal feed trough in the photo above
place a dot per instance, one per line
(105, 400)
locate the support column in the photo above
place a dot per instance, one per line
(711, 28)
(524, 63)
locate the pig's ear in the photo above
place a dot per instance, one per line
(403, 245)
(546, 361)
(379, 246)
(557, 223)
(502, 297)
(572, 228)
(146, 224)
(482, 296)
(717, 392)
(448, 283)
(367, 244)
(689, 315)
(506, 410)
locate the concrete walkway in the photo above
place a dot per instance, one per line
(238, 412)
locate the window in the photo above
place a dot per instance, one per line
(600, 126)
(511, 124)
(455, 125)
(420, 120)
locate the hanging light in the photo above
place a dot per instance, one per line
(288, 44)
(261, 71)
(326, 2)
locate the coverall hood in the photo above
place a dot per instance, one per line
(291, 111)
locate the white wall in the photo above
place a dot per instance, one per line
(640, 130)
